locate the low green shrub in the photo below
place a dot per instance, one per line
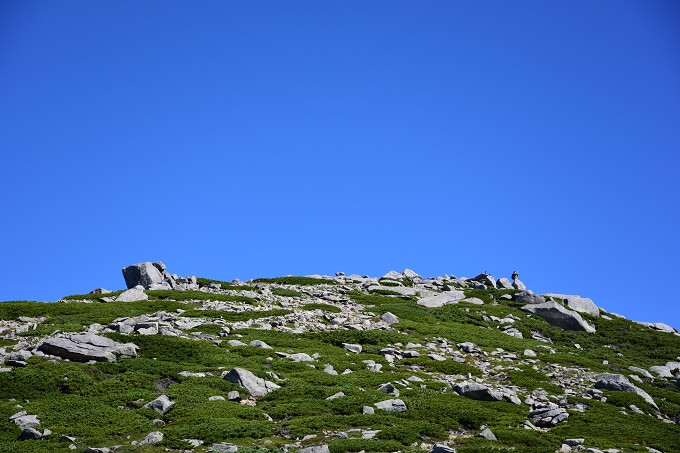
(286, 292)
(299, 281)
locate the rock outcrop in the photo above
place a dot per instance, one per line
(87, 346)
(559, 316)
(577, 303)
(155, 276)
(619, 382)
(449, 297)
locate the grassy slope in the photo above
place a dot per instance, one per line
(101, 403)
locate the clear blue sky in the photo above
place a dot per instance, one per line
(264, 138)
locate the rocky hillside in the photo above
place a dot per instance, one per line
(342, 363)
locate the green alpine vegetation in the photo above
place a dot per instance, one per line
(333, 364)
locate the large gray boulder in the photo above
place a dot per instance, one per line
(559, 316)
(503, 283)
(395, 405)
(476, 391)
(144, 274)
(583, 305)
(486, 279)
(527, 297)
(517, 284)
(255, 385)
(132, 295)
(619, 382)
(25, 420)
(162, 404)
(657, 326)
(411, 275)
(669, 370)
(88, 346)
(392, 275)
(449, 297)
(577, 303)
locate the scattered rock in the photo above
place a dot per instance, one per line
(256, 386)
(476, 391)
(389, 389)
(259, 344)
(395, 405)
(547, 414)
(487, 434)
(162, 404)
(467, 347)
(301, 357)
(389, 318)
(335, 396)
(150, 439)
(30, 434)
(146, 328)
(355, 348)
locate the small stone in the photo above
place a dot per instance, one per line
(355, 348)
(233, 396)
(336, 395)
(487, 434)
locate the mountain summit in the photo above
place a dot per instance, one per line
(341, 363)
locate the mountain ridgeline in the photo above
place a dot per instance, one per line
(342, 363)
